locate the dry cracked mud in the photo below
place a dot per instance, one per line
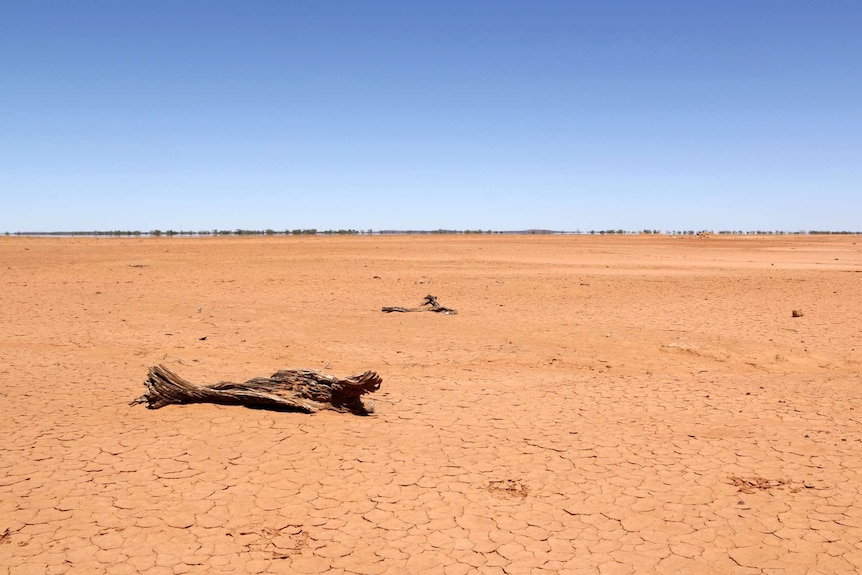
(599, 405)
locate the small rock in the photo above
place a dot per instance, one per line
(797, 313)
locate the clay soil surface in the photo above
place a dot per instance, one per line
(605, 405)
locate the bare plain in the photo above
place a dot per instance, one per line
(601, 405)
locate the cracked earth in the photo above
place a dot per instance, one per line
(608, 405)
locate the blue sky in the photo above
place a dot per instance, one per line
(195, 115)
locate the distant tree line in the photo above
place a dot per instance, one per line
(342, 232)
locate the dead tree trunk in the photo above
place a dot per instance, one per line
(291, 390)
(430, 304)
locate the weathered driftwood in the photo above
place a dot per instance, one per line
(290, 390)
(430, 304)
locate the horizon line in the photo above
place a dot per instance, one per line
(440, 231)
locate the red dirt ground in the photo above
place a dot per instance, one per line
(605, 405)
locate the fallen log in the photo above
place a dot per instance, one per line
(430, 304)
(290, 390)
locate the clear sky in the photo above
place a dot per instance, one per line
(401, 114)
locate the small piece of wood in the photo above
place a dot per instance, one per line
(291, 390)
(430, 304)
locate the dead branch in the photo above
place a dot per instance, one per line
(292, 390)
(430, 304)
